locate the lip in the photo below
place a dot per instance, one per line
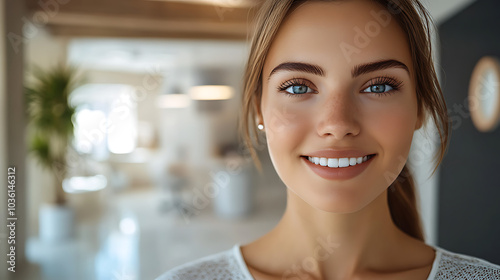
(340, 173)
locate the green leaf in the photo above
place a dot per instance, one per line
(48, 111)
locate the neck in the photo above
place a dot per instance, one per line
(350, 242)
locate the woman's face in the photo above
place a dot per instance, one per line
(338, 85)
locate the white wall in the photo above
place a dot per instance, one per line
(443, 9)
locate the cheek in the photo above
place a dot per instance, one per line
(393, 128)
(283, 120)
(394, 124)
(286, 127)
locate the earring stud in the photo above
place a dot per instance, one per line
(260, 126)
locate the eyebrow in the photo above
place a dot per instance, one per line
(299, 67)
(356, 71)
(378, 65)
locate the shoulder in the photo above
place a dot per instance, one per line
(223, 265)
(458, 266)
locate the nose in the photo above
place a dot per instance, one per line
(338, 117)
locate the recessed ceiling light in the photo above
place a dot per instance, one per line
(211, 92)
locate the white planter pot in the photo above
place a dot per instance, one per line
(56, 223)
(236, 196)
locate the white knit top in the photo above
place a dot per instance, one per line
(229, 265)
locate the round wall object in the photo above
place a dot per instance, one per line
(484, 94)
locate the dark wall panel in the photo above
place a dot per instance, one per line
(469, 195)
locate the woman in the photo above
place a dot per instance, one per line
(338, 88)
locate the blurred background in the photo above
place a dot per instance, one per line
(154, 174)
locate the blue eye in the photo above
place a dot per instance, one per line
(299, 89)
(378, 88)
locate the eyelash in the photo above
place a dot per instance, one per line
(386, 80)
(383, 80)
(293, 82)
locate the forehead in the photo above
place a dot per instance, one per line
(338, 35)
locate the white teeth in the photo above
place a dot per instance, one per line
(337, 162)
(333, 162)
(343, 162)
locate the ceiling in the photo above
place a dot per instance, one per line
(200, 19)
(215, 19)
(121, 34)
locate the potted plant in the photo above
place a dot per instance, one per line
(50, 132)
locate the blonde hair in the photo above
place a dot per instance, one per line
(416, 22)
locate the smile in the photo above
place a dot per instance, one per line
(339, 162)
(338, 168)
